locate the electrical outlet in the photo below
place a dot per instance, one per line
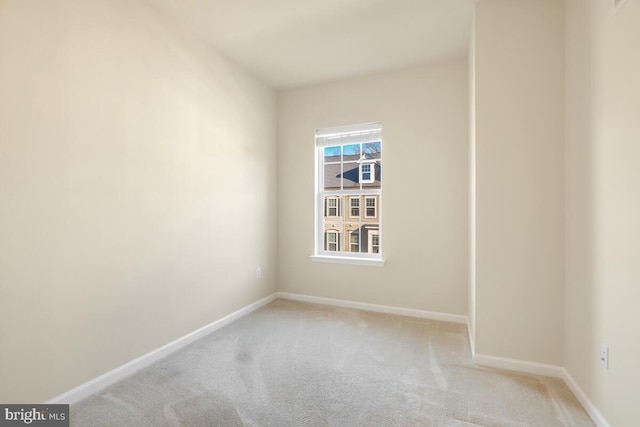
(604, 355)
(259, 273)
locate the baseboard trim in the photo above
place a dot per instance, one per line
(517, 365)
(422, 314)
(597, 417)
(546, 370)
(103, 381)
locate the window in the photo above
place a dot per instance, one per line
(349, 180)
(354, 241)
(369, 207)
(332, 206)
(367, 173)
(354, 207)
(374, 242)
(331, 241)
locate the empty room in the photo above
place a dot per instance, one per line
(319, 213)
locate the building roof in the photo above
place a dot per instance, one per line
(350, 176)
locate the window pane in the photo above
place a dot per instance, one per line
(332, 154)
(351, 152)
(350, 178)
(353, 231)
(332, 176)
(372, 150)
(351, 156)
(372, 235)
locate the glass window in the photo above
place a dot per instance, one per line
(354, 207)
(370, 210)
(331, 241)
(349, 172)
(354, 241)
(367, 173)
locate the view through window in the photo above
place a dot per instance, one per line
(349, 193)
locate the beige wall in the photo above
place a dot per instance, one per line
(471, 292)
(137, 190)
(425, 187)
(603, 204)
(519, 98)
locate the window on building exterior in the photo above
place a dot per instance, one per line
(332, 241)
(354, 206)
(349, 175)
(374, 242)
(367, 173)
(370, 207)
(355, 241)
(332, 206)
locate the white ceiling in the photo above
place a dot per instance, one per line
(291, 43)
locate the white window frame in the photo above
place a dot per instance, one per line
(357, 198)
(375, 207)
(344, 136)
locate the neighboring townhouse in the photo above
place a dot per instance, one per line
(352, 214)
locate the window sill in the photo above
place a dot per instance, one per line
(347, 260)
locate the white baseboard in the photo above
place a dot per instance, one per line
(517, 365)
(119, 373)
(422, 314)
(587, 404)
(546, 370)
(97, 384)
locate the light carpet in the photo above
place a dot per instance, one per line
(300, 364)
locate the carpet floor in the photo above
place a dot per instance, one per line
(299, 364)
